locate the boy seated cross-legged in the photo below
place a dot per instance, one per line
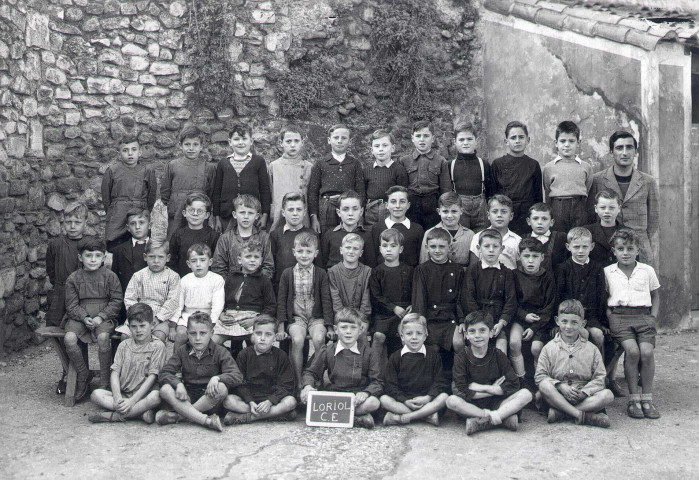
(570, 373)
(207, 371)
(139, 358)
(268, 380)
(351, 366)
(415, 383)
(486, 389)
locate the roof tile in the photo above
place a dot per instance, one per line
(612, 32)
(635, 23)
(557, 7)
(641, 39)
(550, 18)
(594, 15)
(582, 26)
(524, 11)
(500, 6)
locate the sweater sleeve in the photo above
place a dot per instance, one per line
(511, 383)
(313, 373)
(166, 184)
(51, 262)
(230, 373)
(265, 187)
(286, 381)
(359, 182)
(267, 258)
(489, 184)
(375, 376)
(365, 306)
(107, 189)
(378, 298)
(174, 250)
(132, 289)
(545, 312)
(468, 291)
(270, 307)
(150, 187)
(216, 192)
(75, 311)
(243, 390)
(419, 296)
(116, 297)
(462, 378)
(599, 374)
(168, 374)
(391, 386)
(326, 300)
(219, 263)
(544, 366)
(283, 296)
(314, 189)
(537, 194)
(218, 299)
(333, 282)
(440, 384)
(510, 307)
(445, 184)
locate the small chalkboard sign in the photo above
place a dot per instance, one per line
(330, 409)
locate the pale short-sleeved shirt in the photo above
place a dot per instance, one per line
(135, 362)
(633, 291)
(510, 250)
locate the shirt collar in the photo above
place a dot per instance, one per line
(485, 265)
(299, 268)
(337, 157)
(578, 263)
(287, 228)
(354, 348)
(417, 154)
(459, 229)
(358, 228)
(390, 223)
(209, 349)
(577, 159)
(386, 165)
(134, 241)
(405, 350)
(244, 159)
(562, 342)
(544, 235)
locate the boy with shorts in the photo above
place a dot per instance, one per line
(138, 360)
(486, 389)
(632, 310)
(381, 175)
(500, 214)
(207, 373)
(415, 388)
(451, 212)
(349, 279)
(350, 366)
(570, 373)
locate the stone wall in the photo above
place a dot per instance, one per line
(71, 70)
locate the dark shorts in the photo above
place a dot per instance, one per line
(85, 334)
(640, 327)
(488, 403)
(195, 391)
(440, 334)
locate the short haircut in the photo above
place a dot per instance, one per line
(153, 245)
(306, 239)
(572, 307)
(289, 129)
(91, 244)
(437, 233)
(412, 318)
(465, 127)
(251, 246)
(349, 315)
(198, 197)
(201, 318)
(264, 319)
(352, 238)
(619, 134)
(448, 199)
(75, 209)
(609, 195)
(478, 316)
(380, 133)
(420, 124)
(138, 212)
(392, 235)
(532, 244)
(338, 126)
(129, 138)
(625, 235)
(199, 249)
(578, 233)
(394, 189)
(489, 233)
(540, 207)
(248, 201)
(240, 129)
(516, 124)
(293, 197)
(191, 131)
(140, 312)
(502, 200)
(347, 194)
(568, 127)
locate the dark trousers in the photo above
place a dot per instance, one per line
(568, 212)
(423, 209)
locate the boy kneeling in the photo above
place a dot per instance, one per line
(351, 367)
(415, 383)
(138, 360)
(268, 380)
(486, 388)
(570, 373)
(205, 381)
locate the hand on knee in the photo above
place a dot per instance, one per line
(221, 391)
(103, 341)
(379, 338)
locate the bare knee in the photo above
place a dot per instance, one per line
(646, 352)
(221, 392)
(160, 336)
(70, 338)
(167, 392)
(453, 401)
(515, 346)
(103, 341)
(632, 353)
(379, 338)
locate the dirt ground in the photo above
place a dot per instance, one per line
(40, 438)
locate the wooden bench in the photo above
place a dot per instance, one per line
(55, 335)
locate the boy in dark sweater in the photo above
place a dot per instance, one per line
(207, 372)
(486, 388)
(304, 303)
(330, 176)
(197, 209)
(541, 221)
(381, 175)
(490, 286)
(398, 205)
(607, 208)
(350, 212)
(518, 176)
(390, 285)
(536, 297)
(416, 388)
(351, 366)
(268, 379)
(293, 211)
(436, 289)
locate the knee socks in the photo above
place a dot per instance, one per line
(105, 358)
(518, 364)
(76, 358)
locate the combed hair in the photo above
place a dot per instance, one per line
(201, 318)
(516, 124)
(465, 127)
(91, 244)
(578, 233)
(540, 207)
(75, 209)
(289, 129)
(489, 233)
(140, 312)
(609, 195)
(198, 197)
(438, 234)
(251, 246)
(352, 238)
(264, 319)
(420, 124)
(153, 245)
(532, 244)
(619, 134)
(392, 235)
(293, 197)
(138, 212)
(626, 235)
(347, 194)
(568, 127)
(448, 199)
(350, 315)
(394, 189)
(382, 132)
(338, 126)
(306, 239)
(241, 129)
(248, 201)
(479, 316)
(199, 249)
(191, 131)
(502, 200)
(413, 318)
(571, 307)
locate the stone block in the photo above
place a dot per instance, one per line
(7, 205)
(109, 55)
(92, 112)
(134, 90)
(72, 118)
(105, 85)
(133, 49)
(111, 7)
(32, 66)
(76, 87)
(128, 9)
(73, 14)
(56, 202)
(171, 39)
(114, 23)
(156, 91)
(263, 16)
(35, 199)
(55, 76)
(139, 63)
(153, 50)
(29, 107)
(65, 28)
(254, 83)
(36, 138)
(37, 30)
(163, 68)
(165, 54)
(8, 277)
(145, 23)
(177, 8)
(90, 25)
(177, 100)
(63, 93)
(21, 85)
(18, 187)
(147, 79)
(15, 146)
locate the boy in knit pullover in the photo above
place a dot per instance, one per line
(381, 175)
(350, 213)
(607, 208)
(541, 221)
(196, 211)
(349, 279)
(500, 215)
(450, 211)
(567, 180)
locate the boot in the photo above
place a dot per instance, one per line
(105, 368)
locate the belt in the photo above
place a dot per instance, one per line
(631, 310)
(569, 197)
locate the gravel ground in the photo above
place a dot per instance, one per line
(43, 439)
